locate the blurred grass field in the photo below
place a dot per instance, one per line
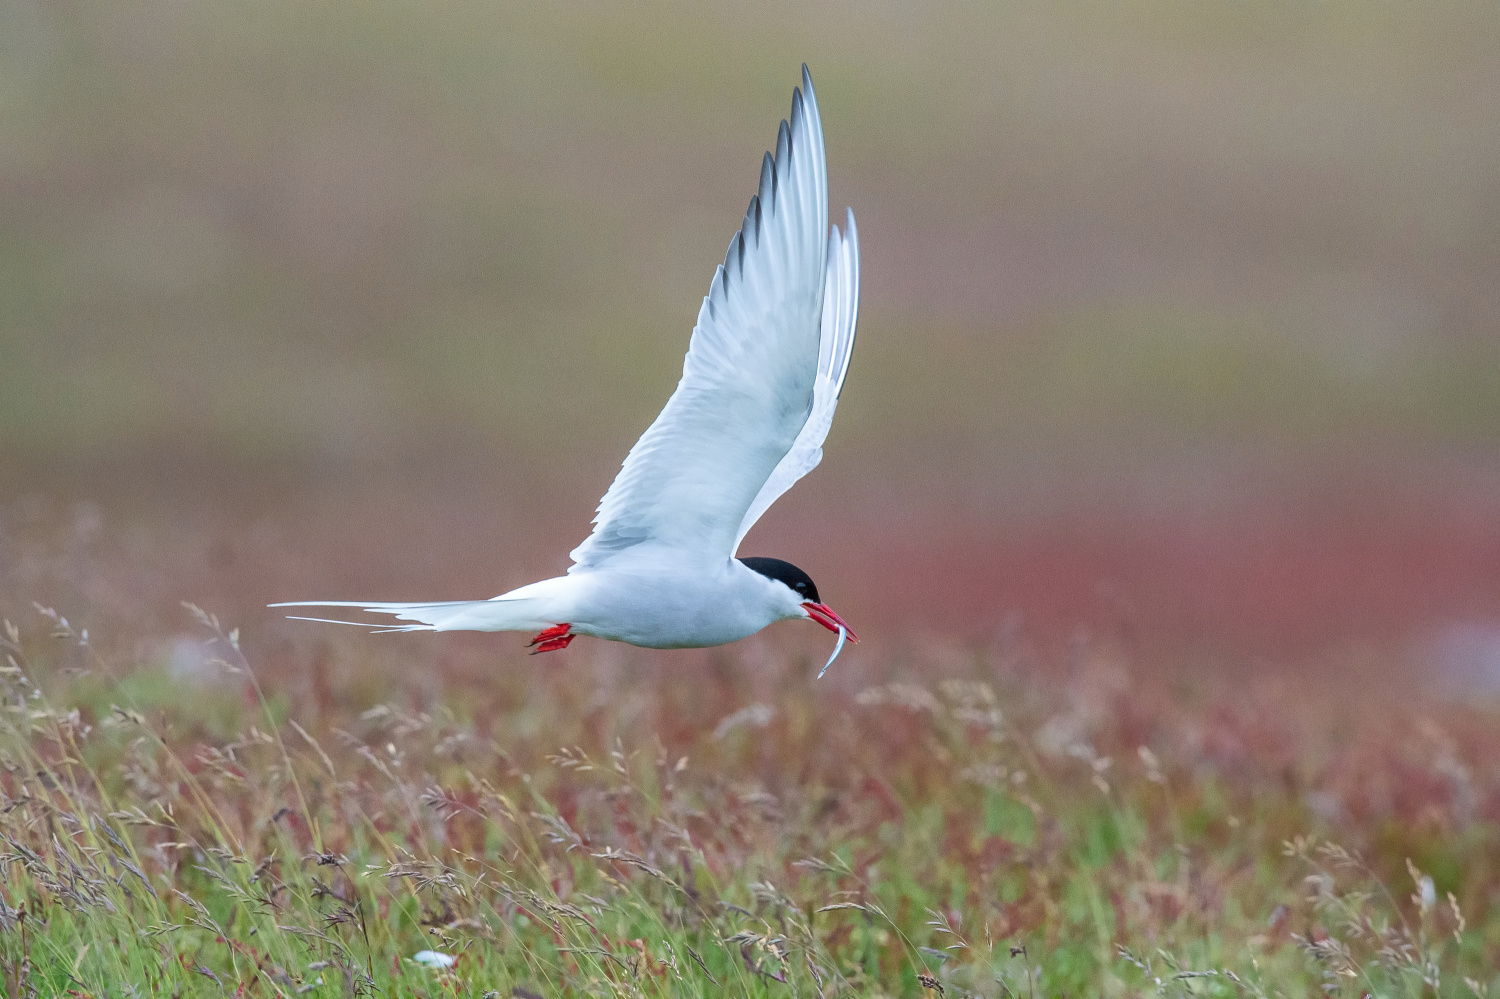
(203, 810)
(307, 233)
(1164, 494)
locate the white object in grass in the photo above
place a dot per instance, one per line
(434, 959)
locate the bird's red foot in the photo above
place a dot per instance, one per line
(554, 638)
(556, 631)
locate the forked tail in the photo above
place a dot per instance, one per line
(499, 614)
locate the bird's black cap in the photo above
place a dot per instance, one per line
(785, 572)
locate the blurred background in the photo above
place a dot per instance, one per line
(1179, 320)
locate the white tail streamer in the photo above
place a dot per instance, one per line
(499, 614)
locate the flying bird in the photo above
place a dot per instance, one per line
(760, 382)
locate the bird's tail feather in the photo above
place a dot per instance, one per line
(499, 614)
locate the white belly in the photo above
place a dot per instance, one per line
(670, 608)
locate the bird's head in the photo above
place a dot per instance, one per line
(803, 601)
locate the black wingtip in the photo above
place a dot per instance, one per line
(736, 250)
(767, 190)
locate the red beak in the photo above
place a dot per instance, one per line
(829, 618)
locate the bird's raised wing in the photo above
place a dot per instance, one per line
(749, 380)
(835, 348)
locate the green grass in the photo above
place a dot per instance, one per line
(603, 827)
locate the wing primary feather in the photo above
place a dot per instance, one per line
(850, 314)
(793, 150)
(729, 257)
(783, 152)
(811, 98)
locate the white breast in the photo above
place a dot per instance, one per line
(679, 607)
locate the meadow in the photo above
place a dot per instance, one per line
(192, 808)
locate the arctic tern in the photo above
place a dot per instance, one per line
(760, 382)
